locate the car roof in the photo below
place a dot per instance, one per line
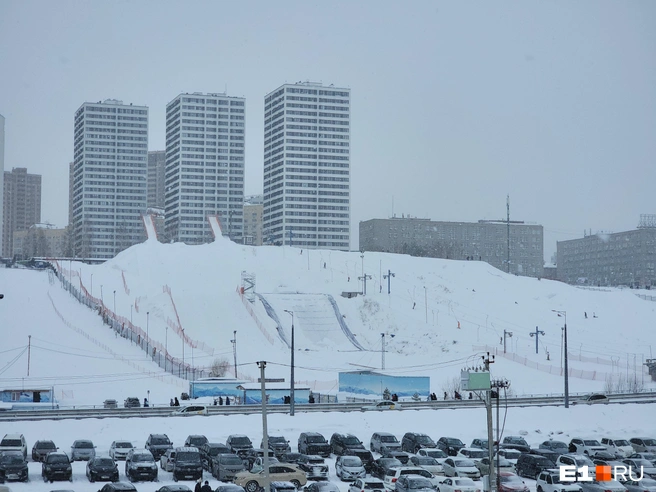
(122, 486)
(237, 435)
(187, 449)
(384, 434)
(158, 435)
(13, 436)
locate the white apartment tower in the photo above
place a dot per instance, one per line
(307, 166)
(205, 149)
(109, 177)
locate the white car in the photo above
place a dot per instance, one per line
(367, 485)
(349, 468)
(483, 465)
(191, 410)
(589, 447)
(619, 447)
(549, 481)
(394, 473)
(473, 454)
(511, 455)
(427, 463)
(119, 450)
(460, 467)
(383, 405)
(458, 484)
(436, 453)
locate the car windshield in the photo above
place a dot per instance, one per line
(464, 463)
(83, 444)
(454, 442)
(104, 462)
(57, 458)
(648, 483)
(649, 456)
(46, 445)
(621, 442)
(516, 440)
(351, 441)
(390, 462)
(197, 441)
(374, 485)
(316, 439)
(476, 454)
(426, 461)
(11, 442)
(315, 461)
(421, 473)
(388, 439)
(649, 442)
(123, 444)
(142, 457)
(511, 479)
(419, 483)
(352, 461)
(241, 441)
(558, 445)
(230, 460)
(158, 441)
(424, 440)
(436, 453)
(11, 459)
(642, 462)
(591, 442)
(464, 482)
(277, 440)
(512, 455)
(582, 460)
(187, 457)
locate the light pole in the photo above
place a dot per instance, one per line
(147, 333)
(102, 298)
(506, 334)
(234, 349)
(362, 271)
(166, 347)
(114, 302)
(536, 334)
(291, 388)
(564, 315)
(389, 280)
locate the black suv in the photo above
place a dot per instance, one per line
(118, 487)
(140, 465)
(102, 468)
(414, 441)
(57, 466)
(131, 402)
(278, 444)
(187, 464)
(450, 445)
(41, 449)
(209, 451)
(13, 466)
(158, 444)
(516, 442)
(195, 440)
(530, 465)
(313, 443)
(341, 444)
(239, 444)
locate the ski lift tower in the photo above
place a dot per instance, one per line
(248, 286)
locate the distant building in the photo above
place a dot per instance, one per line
(109, 177)
(156, 178)
(2, 177)
(22, 205)
(253, 220)
(40, 240)
(482, 241)
(613, 259)
(205, 152)
(307, 157)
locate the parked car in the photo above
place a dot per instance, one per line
(620, 447)
(402, 456)
(258, 464)
(13, 467)
(648, 467)
(381, 466)
(291, 458)
(226, 465)
(530, 465)
(483, 465)
(177, 488)
(229, 487)
(589, 447)
(593, 399)
(342, 443)
(158, 444)
(14, 442)
(252, 482)
(577, 460)
(458, 485)
(450, 445)
(195, 440)
(167, 460)
(190, 411)
(549, 481)
(321, 487)
(640, 444)
(282, 486)
(278, 444)
(427, 463)
(381, 441)
(511, 455)
(556, 446)
(209, 451)
(411, 483)
(382, 405)
(102, 468)
(460, 467)
(349, 468)
(516, 442)
(436, 453)
(393, 475)
(110, 404)
(473, 454)
(644, 485)
(509, 482)
(119, 449)
(314, 466)
(56, 466)
(367, 485)
(187, 465)
(41, 449)
(612, 462)
(479, 443)
(651, 457)
(595, 486)
(365, 456)
(239, 444)
(140, 465)
(118, 487)
(250, 455)
(414, 441)
(82, 450)
(313, 443)
(131, 402)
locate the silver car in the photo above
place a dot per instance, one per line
(349, 468)
(119, 450)
(83, 450)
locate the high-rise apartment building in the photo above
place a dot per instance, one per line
(156, 178)
(2, 174)
(109, 177)
(205, 149)
(22, 205)
(307, 166)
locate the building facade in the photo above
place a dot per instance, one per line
(22, 205)
(109, 177)
(205, 160)
(307, 166)
(253, 220)
(482, 241)
(40, 240)
(156, 178)
(623, 258)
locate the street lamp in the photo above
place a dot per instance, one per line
(564, 315)
(234, 349)
(506, 334)
(166, 346)
(147, 332)
(536, 334)
(102, 298)
(291, 388)
(114, 302)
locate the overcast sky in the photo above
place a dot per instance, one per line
(454, 104)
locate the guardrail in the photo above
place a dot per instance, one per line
(81, 413)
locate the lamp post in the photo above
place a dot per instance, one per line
(166, 347)
(564, 315)
(147, 333)
(234, 349)
(389, 280)
(536, 334)
(102, 298)
(114, 302)
(506, 334)
(291, 388)
(362, 270)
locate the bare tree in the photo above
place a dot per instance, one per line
(219, 368)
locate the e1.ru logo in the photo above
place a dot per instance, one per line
(570, 473)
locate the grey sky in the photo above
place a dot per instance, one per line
(454, 104)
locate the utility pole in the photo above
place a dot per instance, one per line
(265, 431)
(147, 333)
(490, 435)
(166, 346)
(382, 352)
(364, 279)
(291, 387)
(506, 334)
(234, 349)
(564, 315)
(29, 350)
(115, 302)
(508, 232)
(536, 334)
(183, 364)
(498, 384)
(389, 278)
